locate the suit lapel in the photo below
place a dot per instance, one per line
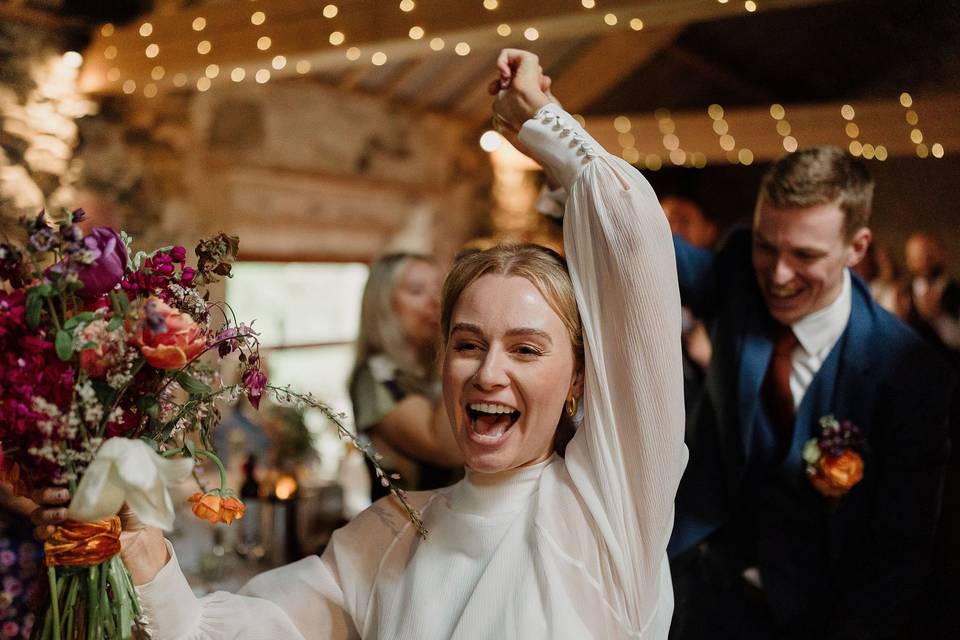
(755, 355)
(855, 393)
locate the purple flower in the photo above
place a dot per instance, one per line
(42, 239)
(8, 558)
(109, 264)
(186, 276)
(78, 215)
(178, 253)
(254, 381)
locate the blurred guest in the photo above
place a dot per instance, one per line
(761, 548)
(688, 221)
(393, 387)
(935, 296)
(879, 270)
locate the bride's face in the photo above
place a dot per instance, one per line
(508, 369)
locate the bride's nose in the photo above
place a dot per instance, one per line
(492, 373)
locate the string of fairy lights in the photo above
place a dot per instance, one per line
(673, 153)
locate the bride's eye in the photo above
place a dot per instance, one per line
(466, 347)
(527, 350)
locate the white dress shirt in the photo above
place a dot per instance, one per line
(817, 333)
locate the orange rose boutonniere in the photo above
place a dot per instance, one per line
(834, 464)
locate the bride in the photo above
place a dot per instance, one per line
(528, 545)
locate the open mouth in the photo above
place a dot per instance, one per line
(783, 296)
(490, 423)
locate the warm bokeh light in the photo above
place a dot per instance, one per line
(636, 24)
(504, 30)
(199, 23)
(303, 66)
(622, 124)
(73, 59)
(416, 33)
(264, 43)
(437, 44)
(777, 112)
(263, 76)
(152, 50)
(285, 488)
(203, 83)
(146, 29)
(238, 74)
(278, 62)
(337, 38)
(258, 17)
(490, 141)
(610, 19)
(330, 11)
(353, 53)
(531, 34)
(462, 48)
(212, 71)
(378, 59)
(204, 47)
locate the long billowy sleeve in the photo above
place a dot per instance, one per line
(301, 601)
(627, 458)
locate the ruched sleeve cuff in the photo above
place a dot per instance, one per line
(171, 609)
(559, 142)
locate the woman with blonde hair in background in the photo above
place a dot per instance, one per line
(394, 386)
(528, 545)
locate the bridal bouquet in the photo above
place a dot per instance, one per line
(109, 385)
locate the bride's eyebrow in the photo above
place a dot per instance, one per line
(465, 326)
(527, 331)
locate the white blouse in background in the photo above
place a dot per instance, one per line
(569, 548)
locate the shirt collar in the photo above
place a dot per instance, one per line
(820, 330)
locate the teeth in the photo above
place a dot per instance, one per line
(484, 407)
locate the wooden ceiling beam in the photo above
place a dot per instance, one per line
(299, 31)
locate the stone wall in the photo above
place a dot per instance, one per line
(297, 169)
(39, 106)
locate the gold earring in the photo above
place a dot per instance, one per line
(571, 406)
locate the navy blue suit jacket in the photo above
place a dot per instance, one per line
(875, 542)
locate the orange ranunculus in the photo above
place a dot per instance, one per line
(177, 341)
(836, 475)
(214, 508)
(231, 509)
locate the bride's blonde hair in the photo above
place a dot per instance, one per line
(544, 268)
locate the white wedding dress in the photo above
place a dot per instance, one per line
(569, 548)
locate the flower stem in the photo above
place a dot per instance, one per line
(223, 472)
(54, 600)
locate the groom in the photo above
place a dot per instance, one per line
(758, 551)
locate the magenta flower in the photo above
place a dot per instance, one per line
(254, 381)
(109, 264)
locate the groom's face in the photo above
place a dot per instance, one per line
(799, 255)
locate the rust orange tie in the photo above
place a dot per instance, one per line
(776, 394)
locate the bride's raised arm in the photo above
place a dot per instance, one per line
(627, 459)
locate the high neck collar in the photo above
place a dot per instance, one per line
(492, 494)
